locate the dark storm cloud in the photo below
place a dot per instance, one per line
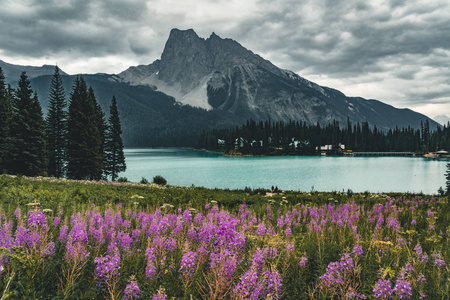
(348, 37)
(89, 28)
(397, 46)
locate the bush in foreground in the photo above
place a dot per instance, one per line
(158, 179)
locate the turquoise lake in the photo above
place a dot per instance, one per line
(187, 167)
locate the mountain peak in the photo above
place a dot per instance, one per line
(178, 34)
(221, 74)
(214, 36)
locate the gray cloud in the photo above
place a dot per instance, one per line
(394, 50)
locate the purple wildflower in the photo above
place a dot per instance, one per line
(270, 252)
(49, 249)
(288, 232)
(56, 221)
(403, 289)
(36, 219)
(290, 248)
(132, 290)
(247, 283)
(382, 289)
(421, 279)
(17, 213)
(273, 283)
(107, 267)
(261, 230)
(188, 264)
(76, 251)
(161, 295)
(150, 271)
(357, 250)
(303, 261)
(439, 263)
(258, 259)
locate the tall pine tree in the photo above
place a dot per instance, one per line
(97, 136)
(115, 158)
(5, 119)
(56, 126)
(85, 134)
(27, 131)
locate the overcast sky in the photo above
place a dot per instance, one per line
(392, 50)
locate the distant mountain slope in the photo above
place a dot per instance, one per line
(12, 72)
(149, 118)
(220, 74)
(442, 119)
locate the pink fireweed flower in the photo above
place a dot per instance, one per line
(49, 249)
(303, 261)
(439, 263)
(288, 232)
(161, 295)
(261, 230)
(270, 252)
(76, 251)
(247, 284)
(226, 261)
(63, 234)
(56, 222)
(150, 271)
(403, 289)
(188, 264)
(290, 248)
(357, 250)
(36, 219)
(258, 259)
(106, 267)
(132, 290)
(382, 289)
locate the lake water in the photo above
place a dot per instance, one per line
(186, 167)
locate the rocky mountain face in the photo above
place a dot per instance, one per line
(220, 74)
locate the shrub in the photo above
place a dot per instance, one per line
(122, 179)
(158, 179)
(144, 180)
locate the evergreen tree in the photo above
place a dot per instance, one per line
(5, 119)
(85, 134)
(27, 132)
(56, 126)
(115, 159)
(97, 136)
(77, 122)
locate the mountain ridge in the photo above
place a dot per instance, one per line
(12, 72)
(221, 74)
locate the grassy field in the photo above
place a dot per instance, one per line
(64, 239)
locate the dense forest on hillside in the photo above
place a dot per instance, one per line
(74, 140)
(149, 118)
(299, 138)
